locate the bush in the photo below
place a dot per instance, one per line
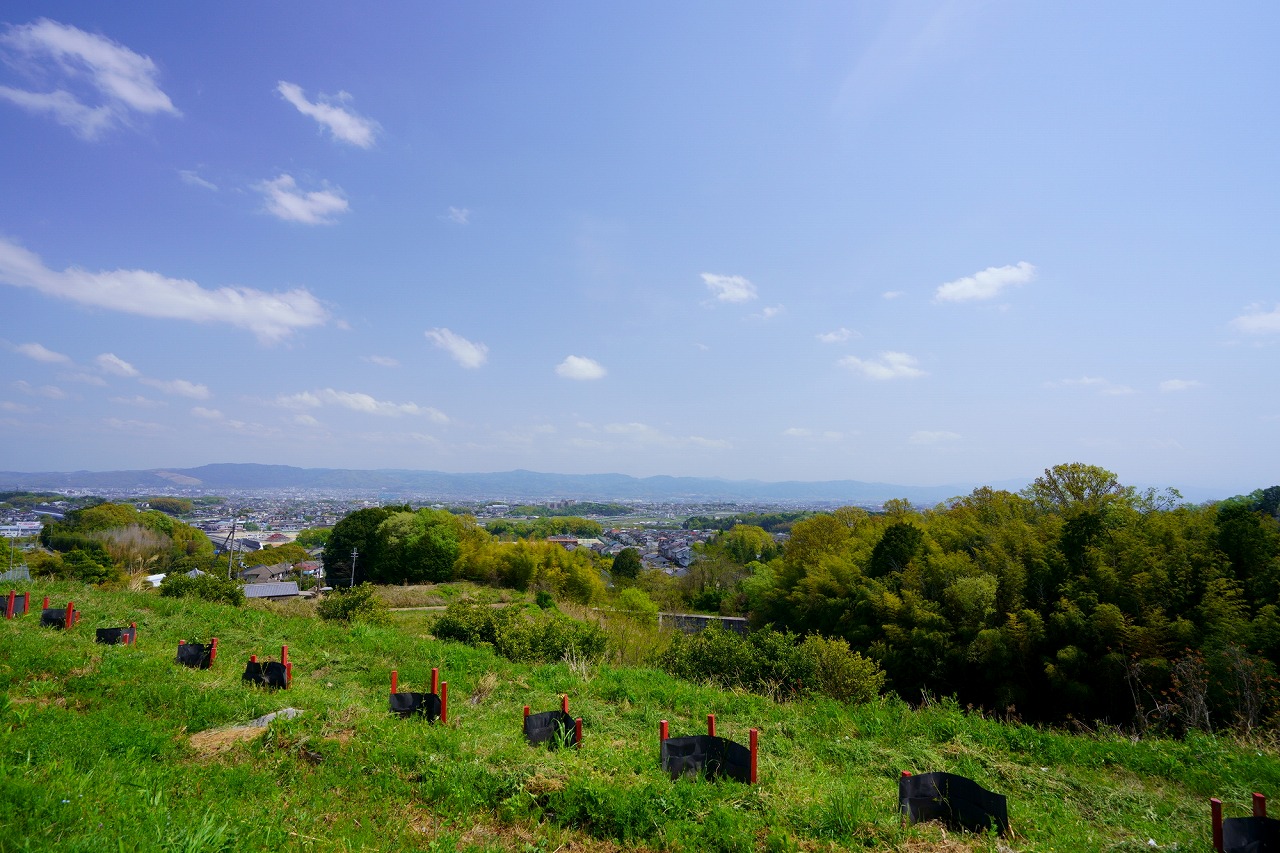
(548, 636)
(353, 604)
(207, 587)
(775, 663)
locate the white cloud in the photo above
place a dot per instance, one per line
(838, 336)
(466, 353)
(729, 288)
(770, 312)
(147, 427)
(17, 408)
(139, 401)
(305, 420)
(893, 294)
(358, 402)
(460, 215)
(985, 284)
(112, 363)
(1259, 321)
(287, 202)
(86, 378)
(179, 388)
(189, 176)
(578, 367)
(270, 316)
(1103, 386)
(648, 435)
(118, 81)
(345, 125)
(933, 437)
(892, 365)
(382, 360)
(50, 392)
(207, 414)
(797, 432)
(39, 353)
(1179, 384)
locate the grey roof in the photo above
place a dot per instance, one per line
(270, 590)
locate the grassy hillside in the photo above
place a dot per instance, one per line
(102, 748)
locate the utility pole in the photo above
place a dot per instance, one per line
(354, 554)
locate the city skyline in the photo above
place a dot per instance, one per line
(908, 243)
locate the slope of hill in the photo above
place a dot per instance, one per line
(118, 746)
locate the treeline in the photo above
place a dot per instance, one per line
(770, 522)
(396, 544)
(541, 528)
(1078, 597)
(579, 508)
(107, 541)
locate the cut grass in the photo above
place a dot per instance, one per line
(100, 746)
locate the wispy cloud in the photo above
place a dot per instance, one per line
(1259, 321)
(769, 312)
(645, 434)
(38, 352)
(358, 402)
(466, 353)
(135, 427)
(813, 434)
(332, 114)
(112, 363)
(269, 316)
(986, 284)
(285, 201)
(580, 367)
(49, 392)
(382, 360)
(891, 365)
(1179, 384)
(729, 288)
(1102, 386)
(97, 84)
(837, 337)
(189, 176)
(179, 388)
(139, 401)
(460, 215)
(17, 408)
(933, 437)
(893, 294)
(207, 414)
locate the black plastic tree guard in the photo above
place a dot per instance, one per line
(117, 636)
(958, 802)
(554, 728)
(1256, 834)
(275, 674)
(708, 755)
(17, 605)
(197, 655)
(59, 617)
(434, 705)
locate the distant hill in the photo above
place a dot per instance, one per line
(520, 486)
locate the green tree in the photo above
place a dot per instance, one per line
(626, 564)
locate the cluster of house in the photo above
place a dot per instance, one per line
(668, 550)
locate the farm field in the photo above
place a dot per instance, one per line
(117, 747)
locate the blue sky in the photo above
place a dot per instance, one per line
(921, 243)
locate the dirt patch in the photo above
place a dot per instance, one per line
(217, 741)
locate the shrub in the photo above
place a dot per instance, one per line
(547, 636)
(208, 587)
(842, 673)
(353, 604)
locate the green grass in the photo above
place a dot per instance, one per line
(96, 753)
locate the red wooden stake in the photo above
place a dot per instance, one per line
(394, 676)
(444, 702)
(284, 655)
(526, 710)
(288, 675)
(8, 610)
(577, 733)
(1259, 805)
(45, 606)
(213, 650)
(71, 616)
(133, 633)
(26, 602)
(564, 703)
(755, 756)
(711, 724)
(253, 658)
(1215, 809)
(663, 730)
(435, 679)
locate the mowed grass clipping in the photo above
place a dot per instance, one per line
(119, 748)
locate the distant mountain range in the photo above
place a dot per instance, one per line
(511, 486)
